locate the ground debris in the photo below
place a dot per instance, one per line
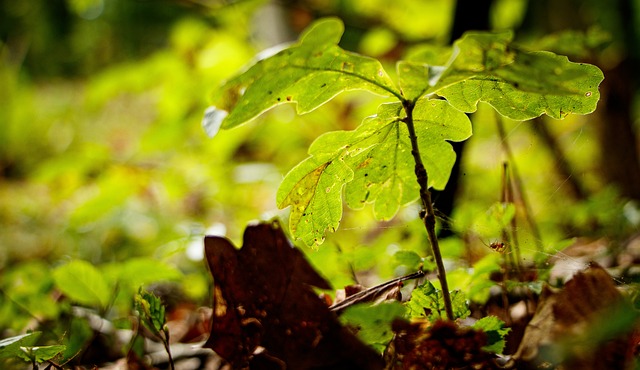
(440, 345)
(586, 325)
(265, 314)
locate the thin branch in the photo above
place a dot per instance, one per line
(427, 214)
(517, 183)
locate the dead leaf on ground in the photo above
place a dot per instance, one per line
(586, 325)
(266, 315)
(442, 345)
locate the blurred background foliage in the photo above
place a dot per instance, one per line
(103, 159)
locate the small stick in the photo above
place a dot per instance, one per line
(372, 293)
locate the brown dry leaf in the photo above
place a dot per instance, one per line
(266, 316)
(586, 325)
(442, 345)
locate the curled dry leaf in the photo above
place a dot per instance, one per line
(586, 325)
(266, 315)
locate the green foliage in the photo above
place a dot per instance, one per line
(519, 85)
(11, 347)
(309, 74)
(427, 302)
(373, 322)
(408, 258)
(23, 347)
(374, 163)
(82, 282)
(95, 286)
(26, 293)
(118, 170)
(40, 354)
(151, 311)
(476, 282)
(496, 333)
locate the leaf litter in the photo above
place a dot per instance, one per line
(269, 317)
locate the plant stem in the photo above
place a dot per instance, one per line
(167, 347)
(427, 214)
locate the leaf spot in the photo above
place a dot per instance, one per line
(347, 67)
(289, 98)
(587, 94)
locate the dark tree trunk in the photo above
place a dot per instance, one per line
(469, 15)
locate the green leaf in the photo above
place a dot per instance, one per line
(374, 162)
(373, 323)
(151, 311)
(427, 302)
(310, 73)
(313, 189)
(10, 347)
(410, 259)
(144, 271)
(382, 161)
(40, 354)
(83, 283)
(424, 302)
(412, 77)
(496, 333)
(519, 84)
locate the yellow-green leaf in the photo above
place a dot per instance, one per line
(520, 85)
(313, 189)
(83, 283)
(375, 163)
(309, 73)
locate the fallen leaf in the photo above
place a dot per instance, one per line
(265, 313)
(586, 325)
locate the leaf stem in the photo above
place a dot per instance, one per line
(427, 213)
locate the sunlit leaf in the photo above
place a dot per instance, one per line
(427, 302)
(151, 311)
(310, 73)
(496, 333)
(41, 353)
(313, 189)
(375, 162)
(518, 84)
(143, 271)
(410, 259)
(10, 347)
(412, 77)
(83, 283)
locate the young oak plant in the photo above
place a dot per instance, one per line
(395, 156)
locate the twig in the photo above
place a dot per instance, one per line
(372, 293)
(517, 184)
